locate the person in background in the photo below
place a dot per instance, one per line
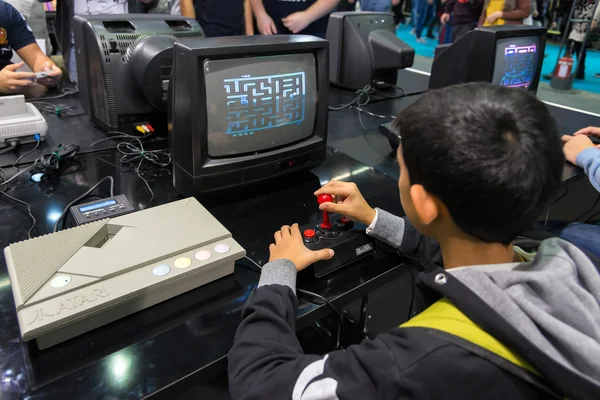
(35, 15)
(594, 27)
(174, 7)
(579, 30)
(434, 23)
(581, 151)
(308, 17)
(16, 35)
(216, 18)
(500, 12)
(425, 11)
(465, 14)
(378, 5)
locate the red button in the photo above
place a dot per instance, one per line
(309, 233)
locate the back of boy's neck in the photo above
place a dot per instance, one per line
(461, 251)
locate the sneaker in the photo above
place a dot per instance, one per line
(547, 76)
(597, 75)
(413, 32)
(421, 40)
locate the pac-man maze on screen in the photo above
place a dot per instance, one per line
(264, 102)
(519, 66)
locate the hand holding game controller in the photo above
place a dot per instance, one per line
(348, 201)
(49, 75)
(289, 245)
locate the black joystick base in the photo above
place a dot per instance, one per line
(349, 242)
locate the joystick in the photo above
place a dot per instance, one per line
(349, 242)
(325, 198)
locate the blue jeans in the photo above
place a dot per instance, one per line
(424, 13)
(584, 236)
(376, 5)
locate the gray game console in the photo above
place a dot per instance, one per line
(72, 281)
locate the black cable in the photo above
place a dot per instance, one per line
(28, 211)
(49, 163)
(340, 332)
(561, 196)
(64, 92)
(37, 145)
(11, 147)
(71, 204)
(362, 99)
(64, 111)
(134, 151)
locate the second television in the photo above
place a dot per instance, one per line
(244, 109)
(506, 55)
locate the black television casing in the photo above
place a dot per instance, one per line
(122, 60)
(194, 171)
(472, 57)
(364, 48)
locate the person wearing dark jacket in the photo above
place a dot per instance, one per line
(478, 164)
(466, 16)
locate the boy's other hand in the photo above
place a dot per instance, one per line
(573, 145)
(297, 21)
(54, 75)
(589, 131)
(289, 245)
(348, 201)
(265, 24)
(11, 80)
(445, 18)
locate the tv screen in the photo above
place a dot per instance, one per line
(259, 103)
(516, 61)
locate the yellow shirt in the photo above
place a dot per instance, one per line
(493, 6)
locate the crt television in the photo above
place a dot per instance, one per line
(246, 108)
(364, 49)
(124, 64)
(507, 55)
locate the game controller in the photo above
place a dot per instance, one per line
(41, 75)
(347, 239)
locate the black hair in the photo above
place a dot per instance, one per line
(491, 154)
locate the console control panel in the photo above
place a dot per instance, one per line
(109, 207)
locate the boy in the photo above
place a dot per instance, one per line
(478, 164)
(16, 35)
(307, 17)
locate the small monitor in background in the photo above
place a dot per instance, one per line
(247, 108)
(507, 55)
(123, 67)
(364, 50)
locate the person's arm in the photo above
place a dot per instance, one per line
(483, 16)
(38, 61)
(388, 228)
(522, 11)
(589, 160)
(265, 23)
(187, 8)
(248, 18)
(267, 361)
(298, 21)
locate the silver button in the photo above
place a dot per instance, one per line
(161, 270)
(440, 279)
(222, 248)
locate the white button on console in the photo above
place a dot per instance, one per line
(182, 262)
(161, 270)
(222, 248)
(202, 255)
(60, 281)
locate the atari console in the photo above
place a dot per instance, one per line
(20, 121)
(73, 281)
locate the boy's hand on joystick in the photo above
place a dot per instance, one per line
(289, 245)
(348, 201)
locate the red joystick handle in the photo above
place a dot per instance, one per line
(325, 198)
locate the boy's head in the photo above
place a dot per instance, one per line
(477, 158)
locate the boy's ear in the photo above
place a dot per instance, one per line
(425, 204)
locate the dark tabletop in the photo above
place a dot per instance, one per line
(190, 335)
